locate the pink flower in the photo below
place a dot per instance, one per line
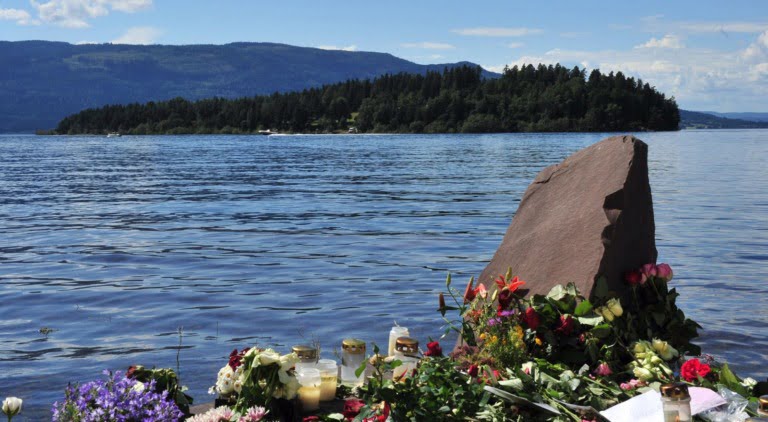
(664, 272)
(649, 270)
(603, 370)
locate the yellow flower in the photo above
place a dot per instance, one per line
(605, 312)
(614, 305)
(482, 336)
(517, 332)
(538, 341)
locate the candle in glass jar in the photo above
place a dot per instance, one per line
(406, 351)
(352, 357)
(676, 402)
(394, 334)
(309, 392)
(329, 375)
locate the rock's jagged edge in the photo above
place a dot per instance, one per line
(587, 217)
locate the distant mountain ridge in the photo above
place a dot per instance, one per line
(43, 81)
(704, 120)
(749, 116)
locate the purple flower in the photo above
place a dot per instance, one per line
(117, 399)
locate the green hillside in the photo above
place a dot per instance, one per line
(41, 82)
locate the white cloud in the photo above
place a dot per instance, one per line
(428, 45)
(77, 13)
(22, 17)
(139, 35)
(699, 78)
(742, 27)
(758, 50)
(668, 41)
(515, 45)
(352, 47)
(497, 32)
(573, 34)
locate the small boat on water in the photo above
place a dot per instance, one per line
(267, 132)
(113, 135)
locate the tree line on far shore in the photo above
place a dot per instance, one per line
(458, 100)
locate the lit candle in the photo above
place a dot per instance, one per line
(309, 392)
(329, 375)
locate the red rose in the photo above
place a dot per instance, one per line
(472, 371)
(566, 325)
(352, 408)
(693, 369)
(434, 349)
(310, 419)
(633, 278)
(531, 318)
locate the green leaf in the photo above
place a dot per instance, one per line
(601, 331)
(730, 380)
(601, 288)
(359, 371)
(583, 308)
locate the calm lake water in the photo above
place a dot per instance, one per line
(116, 243)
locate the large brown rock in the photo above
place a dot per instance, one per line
(589, 216)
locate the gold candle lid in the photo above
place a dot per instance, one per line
(354, 346)
(762, 403)
(676, 390)
(305, 352)
(407, 345)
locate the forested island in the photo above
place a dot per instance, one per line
(456, 100)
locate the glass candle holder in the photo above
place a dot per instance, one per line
(309, 392)
(306, 354)
(352, 357)
(329, 376)
(394, 334)
(407, 352)
(762, 405)
(676, 402)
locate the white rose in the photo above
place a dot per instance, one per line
(614, 305)
(288, 361)
(269, 357)
(664, 350)
(12, 406)
(606, 313)
(643, 374)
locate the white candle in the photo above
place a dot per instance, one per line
(309, 398)
(309, 392)
(329, 376)
(328, 387)
(394, 333)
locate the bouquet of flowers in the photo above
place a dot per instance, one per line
(255, 377)
(117, 398)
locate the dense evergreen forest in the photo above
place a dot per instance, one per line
(525, 99)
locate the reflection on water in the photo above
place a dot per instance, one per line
(116, 243)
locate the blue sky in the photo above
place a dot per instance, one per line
(709, 55)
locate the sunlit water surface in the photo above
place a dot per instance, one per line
(117, 243)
